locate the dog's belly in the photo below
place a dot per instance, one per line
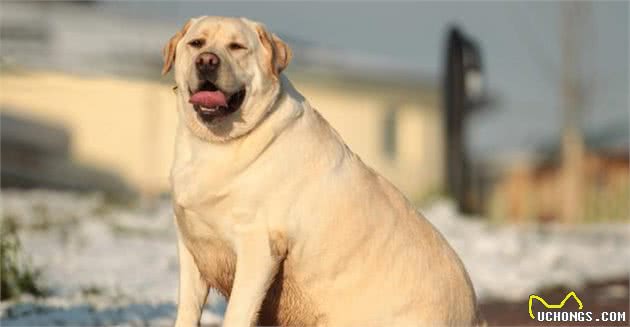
(286, 304)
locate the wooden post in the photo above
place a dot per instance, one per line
(572, 139)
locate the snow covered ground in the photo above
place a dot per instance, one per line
(108, 265)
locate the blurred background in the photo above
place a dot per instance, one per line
(507, 123)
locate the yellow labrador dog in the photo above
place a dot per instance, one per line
(274, 210)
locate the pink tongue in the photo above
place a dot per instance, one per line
(209, 99)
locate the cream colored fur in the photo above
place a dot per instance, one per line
(277, 213)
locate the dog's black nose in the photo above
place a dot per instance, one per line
(207, 62)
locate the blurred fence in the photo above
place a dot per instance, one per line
(533, 193)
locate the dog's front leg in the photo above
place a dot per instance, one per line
(193, 289)
(258, 256)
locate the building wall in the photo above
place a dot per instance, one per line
(122, 126)
(128, 126)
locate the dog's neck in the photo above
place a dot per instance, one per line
(241, 152)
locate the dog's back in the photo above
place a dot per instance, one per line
(368, 257)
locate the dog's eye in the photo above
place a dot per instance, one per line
(236, 46)
(197, 43)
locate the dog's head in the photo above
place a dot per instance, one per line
(227, 72)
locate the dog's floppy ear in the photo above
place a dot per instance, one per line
(168, 52)
(280, 52)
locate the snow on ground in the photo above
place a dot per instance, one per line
(105, 265)
(109, 265)
(512, 262)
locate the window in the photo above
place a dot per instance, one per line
(390, 132)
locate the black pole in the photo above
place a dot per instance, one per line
(462, 56)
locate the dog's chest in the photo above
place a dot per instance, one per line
(204, 200)
(196, 184)
(285, 304)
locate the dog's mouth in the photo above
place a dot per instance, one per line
(211, 103)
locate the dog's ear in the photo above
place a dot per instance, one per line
(280, 52)
(283, 53)
(168, 52)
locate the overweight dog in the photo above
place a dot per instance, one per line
(274, 210)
